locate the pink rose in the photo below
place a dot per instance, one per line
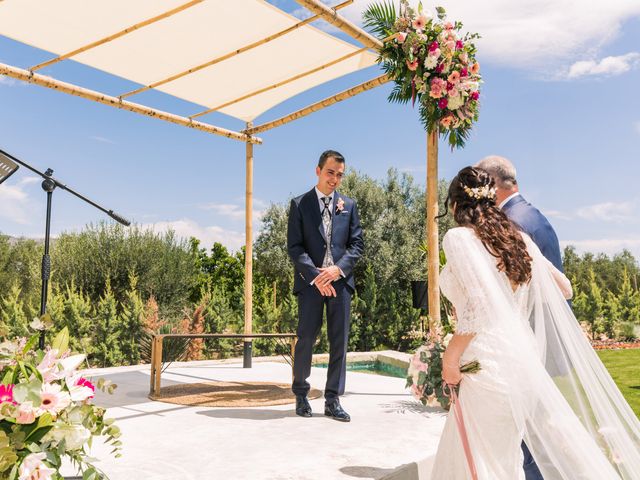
(464, 72)
(448, 26)
(459, 45)
(438, 87)
(475, 95)
(434, 46)
(442, 103)
(412, 65)
(401, 37)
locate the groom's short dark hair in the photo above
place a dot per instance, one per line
(337, 156)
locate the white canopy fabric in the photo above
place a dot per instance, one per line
(191, 37)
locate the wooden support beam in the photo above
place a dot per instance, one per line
(382, 79)
(280, 84)
(248, 255)
(48, 82)
(433, 257)
(231, 54)
(121, 33)
(329, 14)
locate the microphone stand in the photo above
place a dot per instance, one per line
(49, 184)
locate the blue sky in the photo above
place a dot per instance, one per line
(560, 98)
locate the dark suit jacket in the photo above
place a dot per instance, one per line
(532, 222)
(306, 240)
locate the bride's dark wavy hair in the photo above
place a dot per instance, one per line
(498, 234)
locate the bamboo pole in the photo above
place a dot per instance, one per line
(329, 14)
(280, 84)
(231, 54)
(248, 259)
(433, 258)
(121, 33)
(71, 89)
(353, 91)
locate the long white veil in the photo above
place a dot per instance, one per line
(571, 414)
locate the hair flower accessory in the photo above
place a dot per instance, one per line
(480, 192)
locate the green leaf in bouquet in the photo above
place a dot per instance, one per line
(441, 13)
(28, 392)
(31, 344)
(422, 378)
(424, 357)
(8, 456)
(61, 341)
(36, 431)
(409, 381)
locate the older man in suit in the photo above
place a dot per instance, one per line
(324, 240)
(532, 222)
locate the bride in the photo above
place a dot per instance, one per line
(540, 382)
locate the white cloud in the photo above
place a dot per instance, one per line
(557, 214)
(7, 81)
(610, 246)
(236, 211)
(608, 212)
(101, 139)
(608, 66)
(534, 34)
(207, 235)
(15, 203)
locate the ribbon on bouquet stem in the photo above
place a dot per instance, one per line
(455, 403)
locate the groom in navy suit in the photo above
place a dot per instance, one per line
(532, 222)
(324, 241)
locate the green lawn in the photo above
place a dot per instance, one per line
(624, 366)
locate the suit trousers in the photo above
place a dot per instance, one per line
(311, 306)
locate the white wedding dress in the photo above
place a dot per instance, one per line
(547, 388)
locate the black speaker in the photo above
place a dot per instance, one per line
(419, 294)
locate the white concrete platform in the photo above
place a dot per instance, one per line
(390, 436)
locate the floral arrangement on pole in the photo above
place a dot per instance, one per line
(424, 375)
(432, 64)
(46, 411)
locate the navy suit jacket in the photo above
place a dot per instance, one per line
(306, 239)
(532, 222)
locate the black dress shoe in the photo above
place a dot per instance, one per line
(334, 410)
(303, 408)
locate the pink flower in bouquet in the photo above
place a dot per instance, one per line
(33, 468)
(440, 68)
(475, 68)
(475, 95)
(433, 47)
(449, 26)
(6, 394)
(26, 413)
(412, 65)
(53, 399)
(438, 87)
(47, 366)
(442, 103)
(401, 37)
(454, 77)
(447, 121)
(459, 45)
(81, 389)
(450, 44)
(420, 22)
(416, 391)
(464, 72)
(464, 57)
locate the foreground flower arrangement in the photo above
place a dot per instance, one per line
(46, 412)
(431, 62)
(424, 375)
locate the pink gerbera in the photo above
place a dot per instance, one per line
(53, 399)
(6, 393)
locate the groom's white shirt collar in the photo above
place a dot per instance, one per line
(506, 200)
(322, 195)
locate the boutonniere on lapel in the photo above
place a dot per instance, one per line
(339, 206)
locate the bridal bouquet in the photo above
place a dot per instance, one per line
(424, 375)
(46, 414)
(431, 62)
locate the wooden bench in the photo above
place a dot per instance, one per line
(156, 350)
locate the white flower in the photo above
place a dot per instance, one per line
(48, 366)
(79, 393)
(33, 468)
(447, 339)
(74, 435)
(455, 102)
(70, 364)
(53, 399)
(430, 62)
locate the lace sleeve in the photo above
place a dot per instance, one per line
(464, 292)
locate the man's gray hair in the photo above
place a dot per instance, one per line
(501, 169)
